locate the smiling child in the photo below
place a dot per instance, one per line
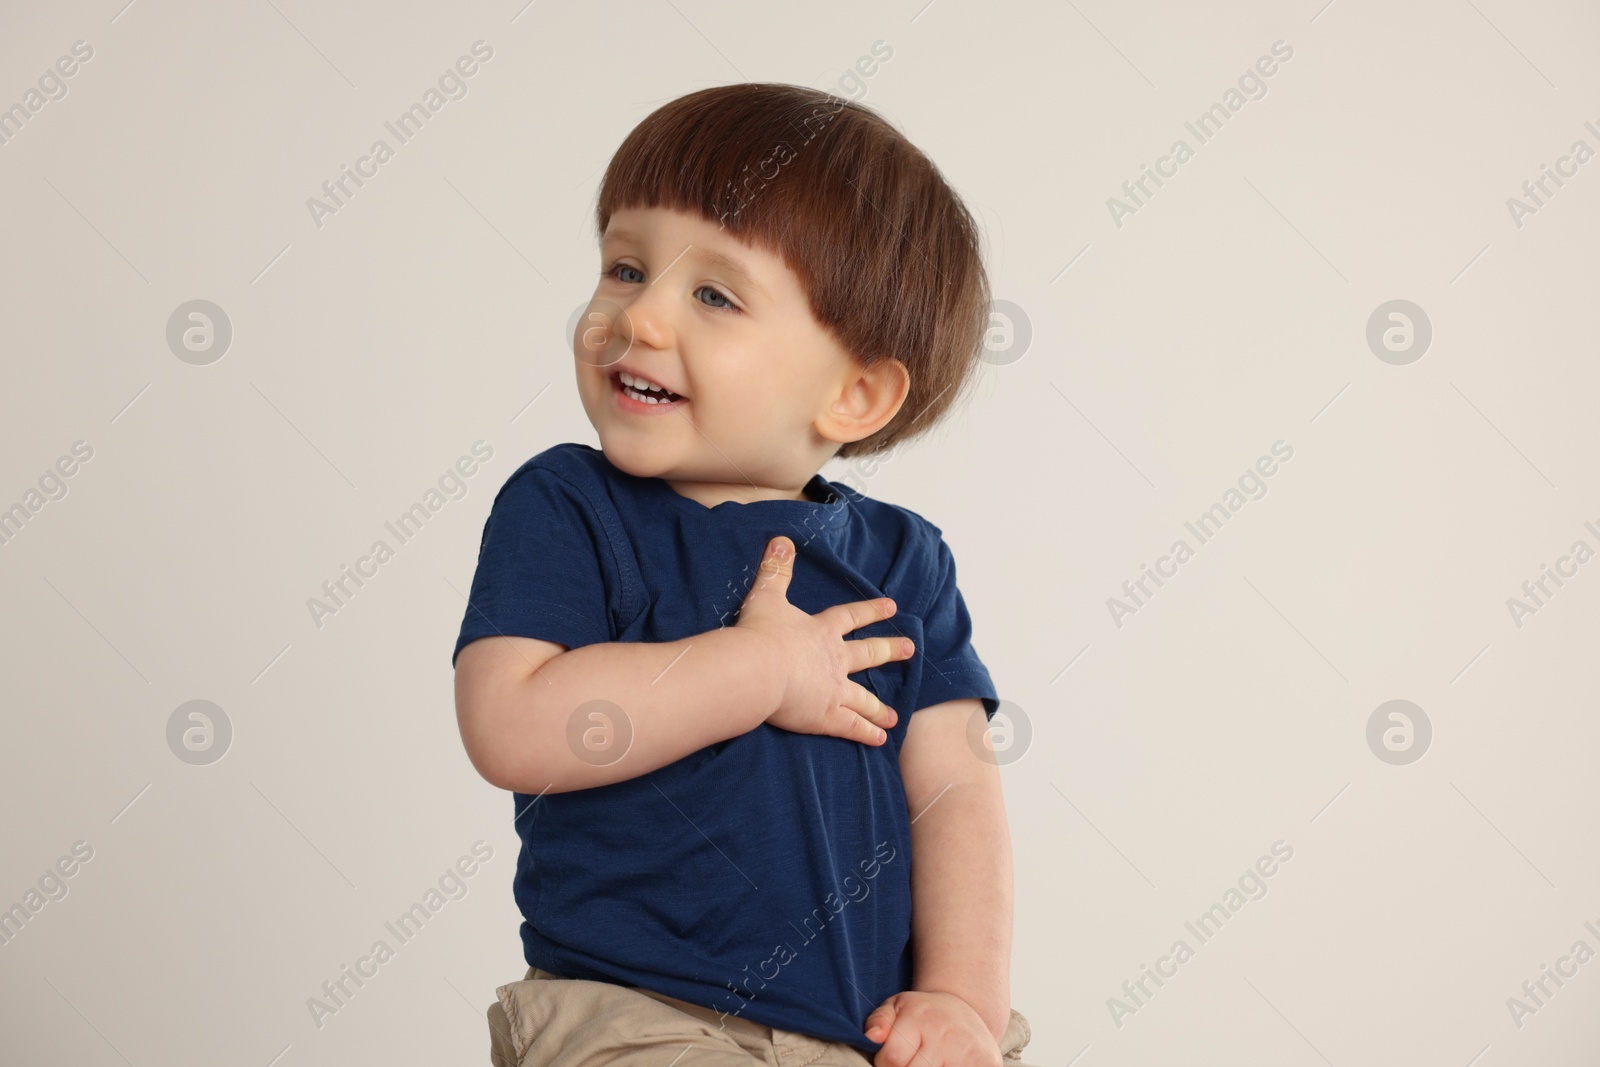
(738, 704)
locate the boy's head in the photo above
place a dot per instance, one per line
(857, 318)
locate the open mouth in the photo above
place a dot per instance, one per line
(643, 390)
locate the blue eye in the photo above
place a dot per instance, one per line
(720, 307)
(611, 272)
(614, 271)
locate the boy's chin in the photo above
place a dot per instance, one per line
(636, 458)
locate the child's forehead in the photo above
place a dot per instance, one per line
(740, 253)
(636, 223)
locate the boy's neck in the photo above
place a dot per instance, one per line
(710, 494)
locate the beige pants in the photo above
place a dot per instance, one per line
(549, 1021)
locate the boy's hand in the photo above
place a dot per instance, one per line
(818, 698)
(919, 1028)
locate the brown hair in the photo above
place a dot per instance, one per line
(885, 249)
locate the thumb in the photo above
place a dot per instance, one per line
(880, 1022)
(777, 566)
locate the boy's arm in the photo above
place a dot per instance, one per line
(515, 697)
(961, 878)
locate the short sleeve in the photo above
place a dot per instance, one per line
(952, 670)
(541, 570)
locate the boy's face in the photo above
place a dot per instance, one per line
(755, 374)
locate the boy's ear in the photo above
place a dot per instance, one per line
(867, 399)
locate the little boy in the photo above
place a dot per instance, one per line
(735, 699)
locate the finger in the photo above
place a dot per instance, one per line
(871, 651)
(864, 703)
(875, 709)
(777, 567)
(847, 617)
(852, 725)
(879, 1023)
(902, 1044)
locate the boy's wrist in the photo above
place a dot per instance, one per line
(760, 649)
(995, 1015)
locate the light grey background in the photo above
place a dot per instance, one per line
(1168, 354)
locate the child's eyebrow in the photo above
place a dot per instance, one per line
(727, 264)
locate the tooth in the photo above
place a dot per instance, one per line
(641, 384)
(642, 390)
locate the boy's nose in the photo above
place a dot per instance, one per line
(647, 318)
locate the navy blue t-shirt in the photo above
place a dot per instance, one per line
(767, 876)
